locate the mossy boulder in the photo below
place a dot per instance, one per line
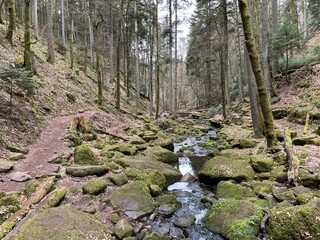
(5, 166)
(62, 223)
(148, 136)
(127, 149)
(262, 188)
(16, 149)
(229, 165)
(136, 140)
(133, 199)
(280, 158)
(123, 229)
(82, 171)
(168, 204)
(301, 141)
(295, 222)
(284, 194)
(83, 155)
(308, 179)
(247, 143)
(161, 154)
(145, 165)
(166, 143)
(56, 197)
(228, 189)
(234, 219)
(94, 186)
(155, 190)
(118, 179)
(261, 163)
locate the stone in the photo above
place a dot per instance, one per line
(148, 136)
(247, 143)
(145, 165)
(167, 209)
(56, 197)
(161, 154)
(304, 140)
(19, 176)
(17, 156)
(118, 179)
(262, 187)
(188, 177)
(295, 222)
(62, 223)
(127, 149)
(16, 149)
(261, 163)
(123, 229)
(168, 204)
(155, 190)
(184, 221)
(206, 199)
(234, 219)
(133, 199)
(284, 194)
(5, 166)
(166, 143)
(228, 189)
(229, 165)
(308, 179)
(82, 171)
(114, 218)
(136, 140)
(83, 155)
(94, 186)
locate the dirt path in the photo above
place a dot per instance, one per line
(50, 143)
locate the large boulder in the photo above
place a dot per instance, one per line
(83, 155)
(229, 165)
(234, 219)
(295, 222)
(161, 154)
(145, 165)
(228, 189)
(261, 163)
(62, 223)
(133, 199)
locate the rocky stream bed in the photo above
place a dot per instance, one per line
(144, 185)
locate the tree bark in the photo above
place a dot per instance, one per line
(137, 69)
(50, 32)
(35, 24)
(111, 43)
(71, 43)
(27, 37)
(63, 30)
(170, 99)
(1, 4)
(274, 59)
(175, 57)
(253, 53)
(157, 63)
(12, 21)
(98, 70)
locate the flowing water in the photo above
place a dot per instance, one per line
(189, 195)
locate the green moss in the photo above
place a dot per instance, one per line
(261, 163)
(227, 189)
(94, 186)
(83, 155)
(56, 197)
(118, 179)
(161, 154)
(71, 97)
(31, 187)
(8, 204)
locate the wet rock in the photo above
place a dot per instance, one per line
(188, 177)
(83, 155)
(5, 166)
(202, 128)
(167, 209)
(206, 199)
(62, 223)
(118, 179)
(155, 236)
(261, 163)
(295, 222)
(94, 186)
(234, 219)
(19, 176)
(161, 154)
(123, 229)
(82, 171)
(168, 204)
(184, 221)
(133, 199)
(171, 174)
(229, 165)
(227, 189)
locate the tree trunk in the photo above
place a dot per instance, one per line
(157, 63)
(12, 21)
(224, 57)
(118, 98)
(305, 19)
(265, 46)
(238, 51)
(111, 43)
(50, 32)
(151, 39)
(27, 37)
(274, 61)
(63, 30)
(170, 99)
(137, 71)
(71, 42)
(99, 79)
(254, 59)
(1, 5)
(175, 56)
(91, 40)
(35, 24)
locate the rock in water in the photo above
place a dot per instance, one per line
(185, 221)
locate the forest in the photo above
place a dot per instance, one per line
(159, 120)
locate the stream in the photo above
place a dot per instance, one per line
(189, 195)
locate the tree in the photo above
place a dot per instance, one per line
(63, 30)
(27, 37)
(12, 21)
(1, 4)
(314, 9)
(35, 24)
(50, 32)
(254, 59)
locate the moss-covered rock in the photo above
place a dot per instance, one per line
(229, 165)
(161, 154)
(155, 190)
(284, 194)
(280, 113)
(301, 141)
(16, 149)
(228, 189)
(171, 174)
(261, 163)
(164, 142)
(62, 223)
(83, 155)
(136, 140)
(94, 186)
(234, 219)
(168, 204)
(123, 229)
(127, 149)
(9, 203)
(56, 197)
(295, 222)
(280, 158)
(133, 173)
(5, 166)
(82, 171)
(133, 199)
(118, 179)
(308, 179)
(31, 187)
(261, 188)
(247, 143)
(148, 136)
